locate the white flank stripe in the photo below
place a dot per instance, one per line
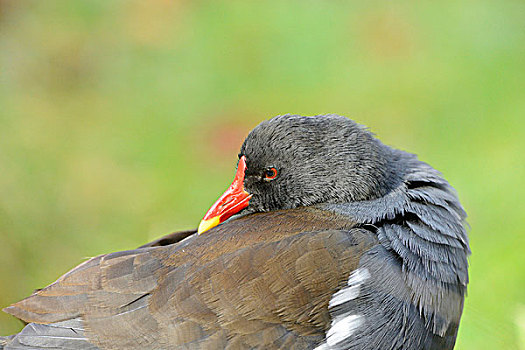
(342, 328)
(352, 291)
(344, 295)
(345, 325)
(358, 277)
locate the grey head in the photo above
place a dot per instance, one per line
(296, 161)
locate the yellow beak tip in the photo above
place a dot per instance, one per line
(205, 225)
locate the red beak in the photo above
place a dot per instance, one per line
(231, 202)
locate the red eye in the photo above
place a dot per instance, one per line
(270, 174)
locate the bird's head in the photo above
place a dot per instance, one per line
(291, 161)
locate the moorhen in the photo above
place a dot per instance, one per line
(326, 239)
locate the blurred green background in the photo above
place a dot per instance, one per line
(120, 121)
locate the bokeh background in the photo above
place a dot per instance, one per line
(120, 120)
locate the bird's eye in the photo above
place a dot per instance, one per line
(270, 174)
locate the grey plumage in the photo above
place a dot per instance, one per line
(67, 334)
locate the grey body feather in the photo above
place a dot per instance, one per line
(424, 248)
(66, 335)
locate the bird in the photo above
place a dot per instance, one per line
(327, 239)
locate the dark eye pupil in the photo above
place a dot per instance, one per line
(270, 173)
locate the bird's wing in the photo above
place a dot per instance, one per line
(262, 281)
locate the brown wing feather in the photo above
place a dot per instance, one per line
(263, 280)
